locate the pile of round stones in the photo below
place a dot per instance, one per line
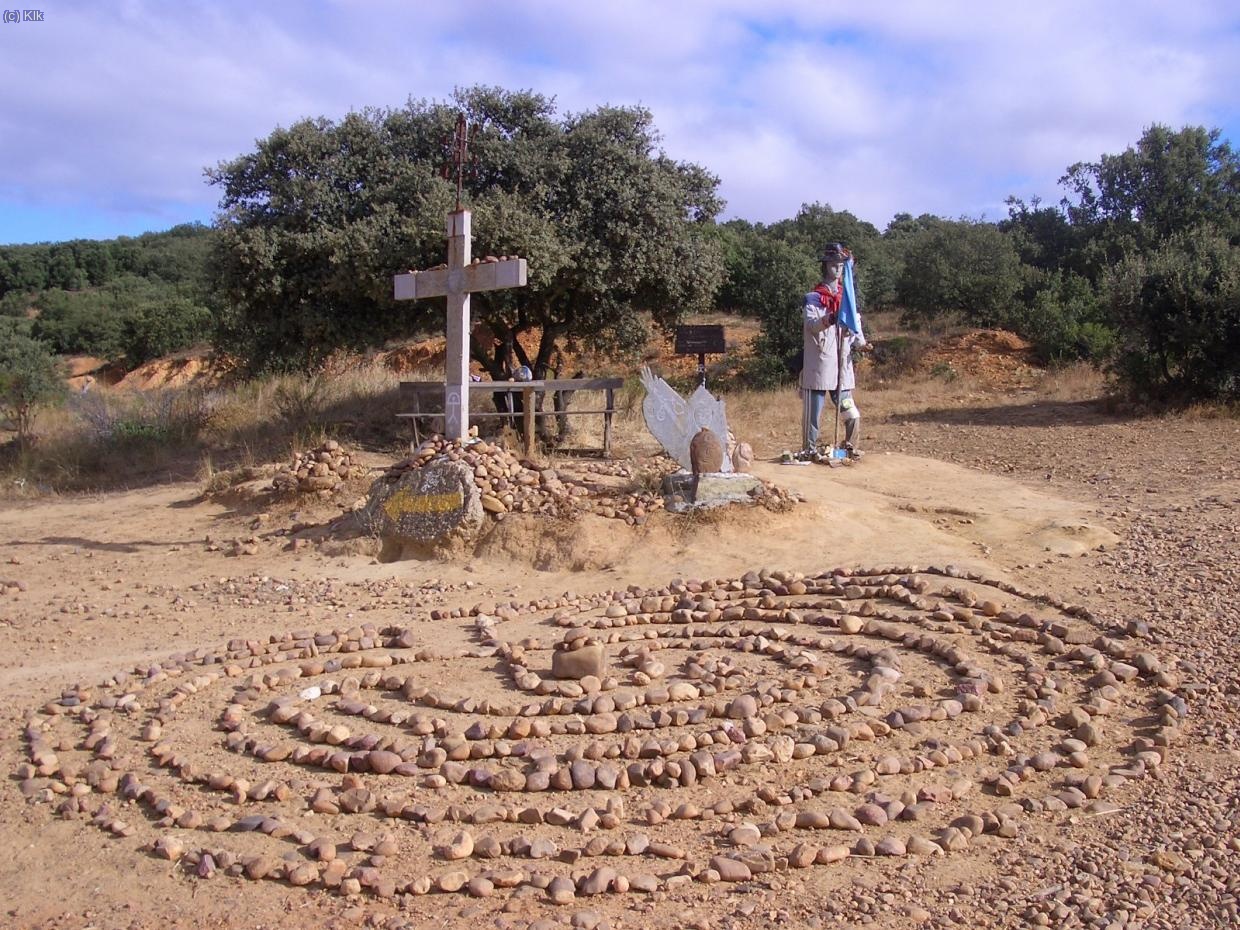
(320, 470)
(630, 741)
(509, 486)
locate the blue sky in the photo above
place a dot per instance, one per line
(109, 111)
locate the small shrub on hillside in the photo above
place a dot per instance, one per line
(301, 401)
(175, 416)
(895, 353)
(30, 378)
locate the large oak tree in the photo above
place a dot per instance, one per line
(315, 221)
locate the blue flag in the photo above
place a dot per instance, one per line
(848, 303)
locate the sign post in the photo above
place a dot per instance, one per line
(700, 341)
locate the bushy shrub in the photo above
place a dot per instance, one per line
(301, 400)
(159, 327)
(1065, 319)
(1177, 310)
(29, 378)
(764, 371)
(79, 323)
(896, 352)
(172, 416)
(962, 269)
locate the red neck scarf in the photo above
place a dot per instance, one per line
(829, 300)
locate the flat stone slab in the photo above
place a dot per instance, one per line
(425, 504)
(683, 491)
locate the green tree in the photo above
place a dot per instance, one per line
(904, 226)
(1177, 310)
(176, 256)
(962, 268)
(29, 378)
(1043, 236)
(88, 323)
(314, 223)
(735, 240)
(1168, 183)
(63, 271)
(23, 268)
(817, 224)
(765, 274)
(95, 259)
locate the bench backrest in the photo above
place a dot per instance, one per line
(434, 389)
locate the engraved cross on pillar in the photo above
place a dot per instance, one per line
(457, 281)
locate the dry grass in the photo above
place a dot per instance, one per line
(1078, 381)
(220, 435)
(1219, 410)
(114, 438)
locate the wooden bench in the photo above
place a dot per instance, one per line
(417, 393)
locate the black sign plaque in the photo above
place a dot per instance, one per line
(699, 340)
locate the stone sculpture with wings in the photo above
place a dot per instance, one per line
(674, 421)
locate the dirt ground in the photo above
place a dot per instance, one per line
(1137, 519)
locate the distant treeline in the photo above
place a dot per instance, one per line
(1137, 268)
(128, 299)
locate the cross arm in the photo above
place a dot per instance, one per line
(472, 279)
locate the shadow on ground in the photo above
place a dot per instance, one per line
(1034, 413)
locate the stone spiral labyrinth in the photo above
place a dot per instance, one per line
(710, 731)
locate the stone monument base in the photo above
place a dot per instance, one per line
(426, 511)
(684, 491)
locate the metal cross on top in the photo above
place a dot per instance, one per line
(460, 154)
(456, 281)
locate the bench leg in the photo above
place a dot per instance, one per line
(527, 420)
(611, 406)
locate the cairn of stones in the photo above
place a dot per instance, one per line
(510, 485)
(642, 739)
(320, 471)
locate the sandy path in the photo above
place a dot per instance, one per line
(115, 580)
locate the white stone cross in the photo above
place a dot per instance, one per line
(457, 281)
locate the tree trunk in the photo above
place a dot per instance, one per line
(546, 366)
(24, 418)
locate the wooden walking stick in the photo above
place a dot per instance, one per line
(839, 379)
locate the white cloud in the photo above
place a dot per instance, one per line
(876, 108)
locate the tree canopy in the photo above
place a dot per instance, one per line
(315, 222)
(961, 267)
(29, 378)
(130, 298)
(1135, 268)
(1167, 183)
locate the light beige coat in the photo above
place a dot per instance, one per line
(821, 351)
